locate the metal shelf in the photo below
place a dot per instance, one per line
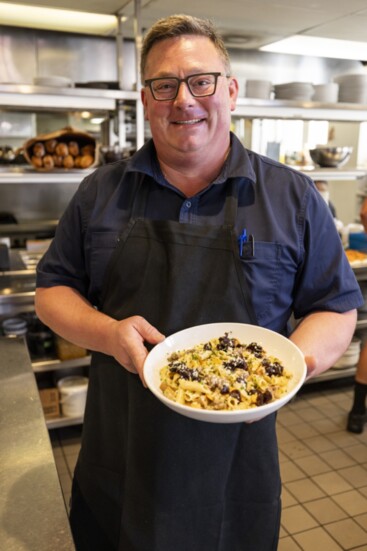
(299, 110)
(60, 422)
(361, 322)
(26, 97)
(333, 374)
(28, 175)
(360, 273)
(335, 173)
(42, 366)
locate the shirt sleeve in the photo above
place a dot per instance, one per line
(326, 281)
(63, 263)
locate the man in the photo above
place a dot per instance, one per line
(149, 247)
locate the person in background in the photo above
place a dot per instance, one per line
(357, 417)
(323, 187)
(150, 246)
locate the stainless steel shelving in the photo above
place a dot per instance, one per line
(27, 97)
(29, 175)
(41, 366)
(299, 110)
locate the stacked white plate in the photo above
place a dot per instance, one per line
(299, 91)
(326, 93)
(351, 355)
(352, 88)
(258, 89)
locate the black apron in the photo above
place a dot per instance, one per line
(147, 478)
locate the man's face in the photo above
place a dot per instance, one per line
(188, 124)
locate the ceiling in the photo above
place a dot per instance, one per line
(244, 23)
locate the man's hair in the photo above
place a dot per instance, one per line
(178, 25)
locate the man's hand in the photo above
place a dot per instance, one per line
(128, 343)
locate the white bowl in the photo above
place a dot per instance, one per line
(327, 93)
(273, 343)
(260, 89)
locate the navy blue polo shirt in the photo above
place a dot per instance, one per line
(299, 265)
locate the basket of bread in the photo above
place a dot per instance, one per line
(67, 148)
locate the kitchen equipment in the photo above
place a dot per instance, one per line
(273, 343)
(113, 153)
(4, 257)
(331, 157)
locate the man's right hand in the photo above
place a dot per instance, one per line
(128, 340)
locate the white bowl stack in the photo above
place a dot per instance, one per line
(351, 355)
(352, 88)
(260, 89)
(299, 91)
(326, 93)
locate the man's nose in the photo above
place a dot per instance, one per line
(184, 95)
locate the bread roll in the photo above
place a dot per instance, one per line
(73, 148)
(62, 149)
(88, 150)
(68, 161)
(38, 149)
(78, 161)
(50, 146)
(86, 161)
(48, 161)
(37, 161)
(58, 160)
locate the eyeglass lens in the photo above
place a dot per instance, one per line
(199, 86)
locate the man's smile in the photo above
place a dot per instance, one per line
(192, 121)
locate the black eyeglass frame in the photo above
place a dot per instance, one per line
(149, 82)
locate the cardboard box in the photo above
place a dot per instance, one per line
(50, 402)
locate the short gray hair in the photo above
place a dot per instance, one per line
(177, 25)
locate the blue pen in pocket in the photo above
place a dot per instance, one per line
(246, 244)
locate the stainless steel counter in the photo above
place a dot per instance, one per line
(33, 516)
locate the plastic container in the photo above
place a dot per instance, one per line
(14, 327)
(358, 241)
(73, 395)
(66, 350)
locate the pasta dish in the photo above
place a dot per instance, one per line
(223, 374)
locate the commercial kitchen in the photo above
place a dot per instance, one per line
(82, 87)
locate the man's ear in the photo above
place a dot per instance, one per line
(233, 92)
(143, 97)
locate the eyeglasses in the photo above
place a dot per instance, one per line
(200, 85)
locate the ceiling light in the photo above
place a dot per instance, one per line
(20, 15)
(320, 47)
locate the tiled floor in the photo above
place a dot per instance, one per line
(324, 471)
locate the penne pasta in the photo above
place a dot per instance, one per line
(224, 374)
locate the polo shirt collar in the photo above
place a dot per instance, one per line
(237, 165)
